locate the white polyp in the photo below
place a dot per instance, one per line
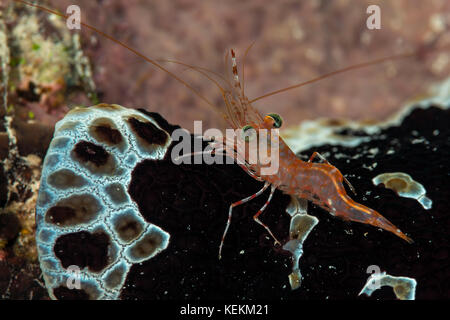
(301, 226)
(405, 186)
(404, 287)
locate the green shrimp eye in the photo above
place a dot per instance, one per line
(248, 133)
(278, 121)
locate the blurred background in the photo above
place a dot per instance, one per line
(293, 41)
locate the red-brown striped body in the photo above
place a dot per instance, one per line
(322, 184)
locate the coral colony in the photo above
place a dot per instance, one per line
(83, 206)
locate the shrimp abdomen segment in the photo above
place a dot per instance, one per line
(348, 209)
(322, 184)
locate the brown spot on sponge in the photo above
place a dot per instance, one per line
(148, 133)
(83, 249)
(150, 244)
(89, 152)
(69, 126)
(87, 291)
(116, 193)
(64, 293)
(64, 179)
(127, 227)
(75, 210)
(104, 130)
(94, 157)
(115, 277)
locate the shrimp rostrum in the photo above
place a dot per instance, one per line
(320, 183)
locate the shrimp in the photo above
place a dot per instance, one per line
(319, 183)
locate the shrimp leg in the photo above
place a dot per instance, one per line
(255, 217)
(230, 213)
(316, 154)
